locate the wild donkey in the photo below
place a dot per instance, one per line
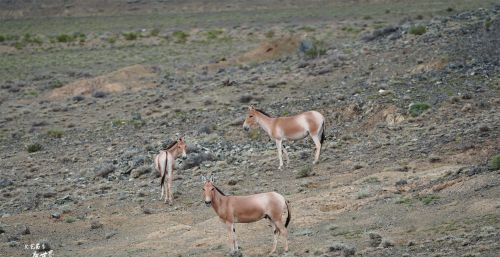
(247, 209)
(164, 164)
(289, 128)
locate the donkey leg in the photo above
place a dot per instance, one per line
(317, 142)
(278, 144)
(276, 233)
(165, 190)
(233, 228)
(230, 238)
(282, 229)
(170, 193)
(286, 155)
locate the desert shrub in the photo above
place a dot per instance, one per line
(55, 84)
(112, 40)
(313, 49)
(270, 34)
(213, 34)
(155, 32)
(130, 35)
(372, 180)
(449, 9)
(495, 162)
(65, 38)
(418, 108)
(2, 38)
(304, 172)
(429, 199)
(307, 29)
(367, 17)
(180, 36)
(417, 30)
(363, 194)
(352, 30)
(55, 133)
(19, 45)
(487, 24)
(69, 219)
(32, 39)
(34, 147)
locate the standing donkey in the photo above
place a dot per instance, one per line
(164, 165)
(289, 128)
(247, 209)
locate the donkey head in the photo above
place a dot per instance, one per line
(181, 146)
(208, 189)
(250, 119)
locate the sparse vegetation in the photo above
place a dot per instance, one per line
(214, 34)
(371, 180)
(130, 36)
(316, 50)
(304, 172)
(55, 133)
(495, 162)
(154, 32)
(417, 30)
(429, 199)
(364, 193)
(34, 147)
(418, 108)
(404, 200)
(69, 219)
(270, 34)
(65, 38)
(180, 36)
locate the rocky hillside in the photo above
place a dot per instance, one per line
(409, 167)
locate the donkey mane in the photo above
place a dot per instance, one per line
(171, 145)
(263, 112)
(220, 192)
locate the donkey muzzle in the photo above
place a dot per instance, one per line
(246, 128)
(208, 203)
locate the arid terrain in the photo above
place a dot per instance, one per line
(90, 91)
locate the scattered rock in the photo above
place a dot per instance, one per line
(434, 159)
(235, 253)
(110, 234)
(375, 239)
(95, 224)
(5, 183)
(99, 94)
(346, 250)
(245, 99)
(467, 107)
(137, 172)
(380, 33)
(146, 210)
(56, 215)
(195, 160)
(104, 170)
(386, 243)
(24, 230)
(232, 182)
(401, 182)
(44, 246)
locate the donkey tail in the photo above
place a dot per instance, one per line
(289, 217)
(164, 172)
(323, 132)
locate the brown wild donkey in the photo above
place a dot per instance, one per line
(164, 164)
(247, 209)
(289, 128)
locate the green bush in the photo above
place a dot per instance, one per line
(417, 30)
(304, 172)
(112, 40)
(35, 147)
(65, 38)
(180, 36)
(270, 34)
(2, 38)
(428, 199)
(418, 108)
(130, 36)
(155, 32)
(69, 219)
(495, 162)
(213, 34)
(55, 133)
